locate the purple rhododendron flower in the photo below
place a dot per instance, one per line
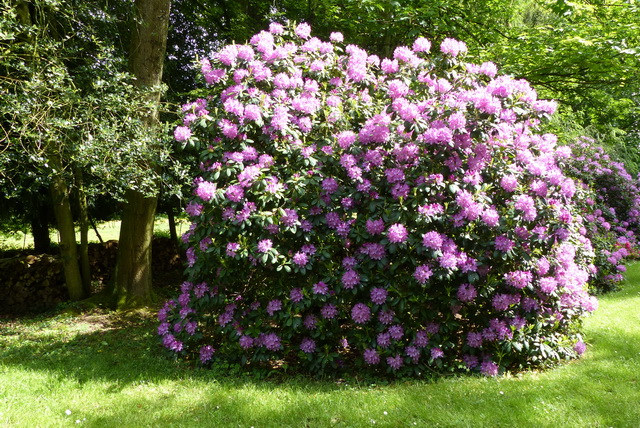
(191, 256)
(206, 190)
(501, 302)
(194, 209)
(273, 306)
(276, 28)
(471, 361)
(422, 339)
(518, 279)
(432, 240)
(360, 313)
(395, 362)
(300, 258)
(371, 356)
(397, 233)
(234, 193)
(396, 332)
(206, 353)
(526, 204)
(329, 311)
(389, 66)
(509, 183)
(386, 317)
(378, 295)
(330, 185)
(252, 112)
(232, 249)
(182, 133)
(448, 261)
(452, 47)
(246, 342)
(350, 279)
(466, 292)
(336, 37)
(271, 341)
(542, 266)
(383, 340)
(373, 250)
(170, 342)
(320, 288)
(421, 44)
(422, 274)
(349, 262)
(310, 322)
(489, 368)
(264, 245)
(163, 328)
(308, 345)
(580, 347)
(436, 353)
(548, 285)
(375, 227)
(296, 295)
(474, 339)
(413, 353)
(490, 217)
(303, 30)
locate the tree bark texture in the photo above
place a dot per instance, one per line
(133, 282)
(172, 224)
(68, 249)
(133, 286)
(83, 220)
(149, 42)
(40, 211)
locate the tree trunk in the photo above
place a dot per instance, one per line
(172, 224)
(83, 220)
(133, 286)
(95, 229)
(133, 265)
(68, 250)
(388, 25)
(40, 223)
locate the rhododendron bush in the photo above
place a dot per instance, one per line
(394, 215)
(611, 211)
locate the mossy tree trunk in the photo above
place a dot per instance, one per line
(83, 220)
(133, 286)
(68, 246)
(133, 282)
(171, 217)
(39, 218)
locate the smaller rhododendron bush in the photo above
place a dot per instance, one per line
(397, 215)
(611, 210)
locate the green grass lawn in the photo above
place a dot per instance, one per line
(108, 230)
(107, 370)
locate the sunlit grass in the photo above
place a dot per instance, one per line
(108, 230)
(108, 370)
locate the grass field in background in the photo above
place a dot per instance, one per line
(108, 230)
(107, 369)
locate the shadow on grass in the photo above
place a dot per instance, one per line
(123, 352)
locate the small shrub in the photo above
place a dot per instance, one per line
(396, 215)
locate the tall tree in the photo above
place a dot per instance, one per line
(133, 282)
(39, 80)
(69, 114)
